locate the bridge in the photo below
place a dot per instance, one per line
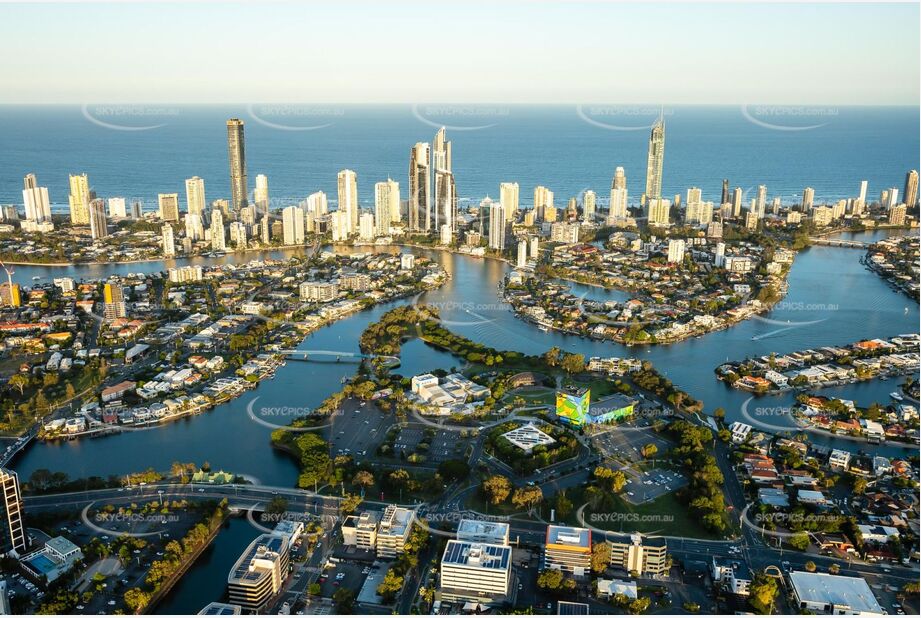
(838, 242)
(16, 447)
(338, 356)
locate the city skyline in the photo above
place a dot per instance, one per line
(815, 65)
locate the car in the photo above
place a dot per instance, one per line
(112, 602)
(79, 607)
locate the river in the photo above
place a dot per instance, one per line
(832, 300)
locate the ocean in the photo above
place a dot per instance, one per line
(140, 151)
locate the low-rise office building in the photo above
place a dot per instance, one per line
(393, 531)
(475, 572)
(259, 573)
(633, 553)
(568, 549)
(824, 593)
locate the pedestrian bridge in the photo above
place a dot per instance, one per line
(838, 242)
(335, 356)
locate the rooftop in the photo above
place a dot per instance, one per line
(475, 530)
(477, 555)
(564, 535)
(851, 592)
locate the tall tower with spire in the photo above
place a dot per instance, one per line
(655, 158)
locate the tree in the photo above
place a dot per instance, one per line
(497, 489)
(363, 478)
(454, 469)
(834, 569)
(649, 450)
(136, 599)
(810, 566)
(573, 363)
(601, 557)
(20, 381)
(563, 505)
(762, 592)
(527, 497)
(349, 503)
(799, 541)
(390, 586)
(552, 356)
(550, 579)
(344, 598)
(615, 479)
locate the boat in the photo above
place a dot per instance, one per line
(36, 278)
(895, 395)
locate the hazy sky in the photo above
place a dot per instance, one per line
(427, 52)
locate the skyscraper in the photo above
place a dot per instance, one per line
(13, 530)
(195, 195)
(654, 159)
(386, 205)
(113, 301)
(762, 201)
(169, 206)
(420, 187)
(292, 222)
(79, 199)
(218, 242)
(35, 198)
(261, 195)
(168, 240)
(910, 194)
(117, 207)
(543, 199)
(588, 206)
(98, 227)
(657, 211)
(194, 228)
(522, 253)
(737, 202)
(724, 196)
(508, 195)
(497, 221)
(444, 191)
(808, 199)
(366, 226)
(237, 158)
(863, 191)
(348, 198)
(618, 206)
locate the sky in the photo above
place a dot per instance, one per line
(460, 52)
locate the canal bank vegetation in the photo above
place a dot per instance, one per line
(703, 495)
(178, 556)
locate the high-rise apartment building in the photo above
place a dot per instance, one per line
(169, 206)
(218, 241)
(79, 199)
(588, 206)
(99, 228)
(508, 195)
(348, 198)
(261, 195)
(168, 240)
(292, 222)
(419, 213)
(113, 301)
(13, 536)
(910, 193)
(386, 205)
(195, 195)
(236, 156)
(497, 222)
(35, 198)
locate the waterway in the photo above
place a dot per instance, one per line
(832, 300)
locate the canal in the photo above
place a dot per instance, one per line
(832, 300)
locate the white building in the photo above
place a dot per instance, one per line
(476, 572)
(497, 220)
(168, 241)
(740, 432)
(676, 251)
(366, 226)
(292, 224)
(824, 593)
(117, 207)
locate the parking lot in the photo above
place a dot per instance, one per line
(358, 430)
(645, 486)
(624, 442)
(444, 445)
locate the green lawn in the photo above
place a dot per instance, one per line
(665, 515)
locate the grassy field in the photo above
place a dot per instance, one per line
(665, 515)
